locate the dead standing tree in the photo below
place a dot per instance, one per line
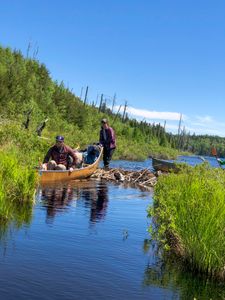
(85, 97)
(100, 105)
(27, 122)
(117, 114)
(41, 127)
(124, 111)
(114, 101)
(179, 133)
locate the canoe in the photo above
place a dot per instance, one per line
(86, 171)
(164, 165)
(220, 161)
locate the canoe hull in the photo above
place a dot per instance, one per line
(164, 165)
(58, 175)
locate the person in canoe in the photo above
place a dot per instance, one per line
(108, 141)
(59, 156)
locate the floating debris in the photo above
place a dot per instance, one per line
(125, 234)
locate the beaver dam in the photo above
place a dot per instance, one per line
(143, 178)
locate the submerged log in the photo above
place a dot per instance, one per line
(143, 178)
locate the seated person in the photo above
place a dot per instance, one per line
(58, 155)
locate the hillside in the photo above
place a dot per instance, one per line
(29, 96)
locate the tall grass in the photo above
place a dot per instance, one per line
(189, 208)
(17, 185)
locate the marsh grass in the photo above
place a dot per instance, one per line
(190, 211)
(17, 185)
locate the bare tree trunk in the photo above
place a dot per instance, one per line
(114, 101)
(27, 122)
(100, 105)
(41, 127)
(179, 129)
(124, 111)
(85, 98)
(117, 114)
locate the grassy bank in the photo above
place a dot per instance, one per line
(189, 215)
(17, 185)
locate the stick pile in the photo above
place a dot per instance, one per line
(143, 178)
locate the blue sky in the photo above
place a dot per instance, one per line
(164, 57)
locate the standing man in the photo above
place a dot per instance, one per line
(59, 155)
(108, 140)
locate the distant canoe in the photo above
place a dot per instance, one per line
(58, 175)
(164, 165)
(220, 161)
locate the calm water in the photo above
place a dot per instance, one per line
(89, 240)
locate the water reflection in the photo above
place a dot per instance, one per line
(167, 272)
(93, 195)
(56, 198)
(99, 204)
(21, 215)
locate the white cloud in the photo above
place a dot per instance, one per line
(205, 125)
(205, 119)
(193, 124)
(152, 115)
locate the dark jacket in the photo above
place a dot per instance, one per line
(110, 140)
(60, 156)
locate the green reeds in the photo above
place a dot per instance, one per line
(17, 185)
(189, 208)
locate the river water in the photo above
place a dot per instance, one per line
(89, 240)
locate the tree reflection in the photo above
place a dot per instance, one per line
(168, 272)
(21, 214)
